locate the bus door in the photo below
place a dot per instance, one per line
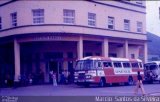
(108, 69)
(98, 66)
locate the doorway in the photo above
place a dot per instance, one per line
(56, 67)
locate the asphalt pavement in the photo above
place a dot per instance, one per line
(74, 90)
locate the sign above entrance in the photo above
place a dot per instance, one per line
(48, 37)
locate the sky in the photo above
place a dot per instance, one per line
(153, 17)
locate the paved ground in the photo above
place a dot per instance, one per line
(74, 90)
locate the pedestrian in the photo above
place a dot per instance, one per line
(53, 75)
(66, 76)
(30, 79)
(63, 79)
(139, 84)
(54, 79)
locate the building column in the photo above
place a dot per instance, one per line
(16, 60)
(145, 52)
(80, 48)
(126, 49)
(105, 48)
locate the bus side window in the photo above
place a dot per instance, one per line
(117, 64)
(134, 65)
(126, 65)
(107, 64)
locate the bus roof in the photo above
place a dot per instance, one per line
(95, 58)
(109, 59)
(157, 62)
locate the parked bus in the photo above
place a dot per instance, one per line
(101, 70)
(152, 71)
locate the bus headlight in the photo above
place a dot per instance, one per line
(75, 77)
(88, 76)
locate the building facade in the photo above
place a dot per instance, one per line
(40, 36)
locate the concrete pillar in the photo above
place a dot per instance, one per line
(16, 60)
(105, 48)
(126, 49)
(80, 48)
(145, 52)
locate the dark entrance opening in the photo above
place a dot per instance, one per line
(53, 66)
(54, 63)
(56, 67)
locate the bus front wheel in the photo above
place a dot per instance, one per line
(86, 85)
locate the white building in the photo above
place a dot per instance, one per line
(50, 35)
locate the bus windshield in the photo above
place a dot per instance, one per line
(84, 65)
(151, 66)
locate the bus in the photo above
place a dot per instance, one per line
(152, 71)
(102, 70)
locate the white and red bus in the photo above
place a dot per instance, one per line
(101, 70)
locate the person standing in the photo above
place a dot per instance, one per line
(139, 84)
(53, 75)
(54, 79)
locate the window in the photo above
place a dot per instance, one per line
(0, 23)
(139, 26)
(139, 2)
(38, 16)
(88, 64)
(107, 64)
(14, 19)
(111, 22)
(126, 25)
(79, 65)
(69, 16)
(134, 65)
(117, 64)
(92, 19)
(126, 65)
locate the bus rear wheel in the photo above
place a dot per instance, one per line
(102, 82)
